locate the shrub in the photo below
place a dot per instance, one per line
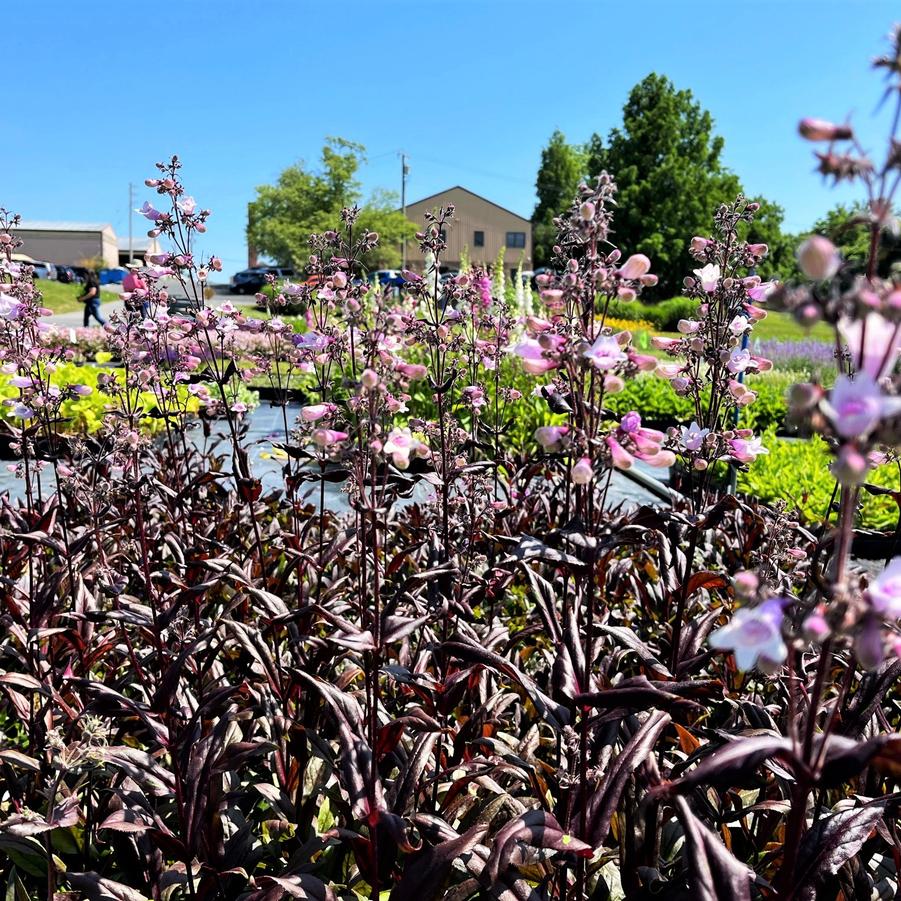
(797, 472)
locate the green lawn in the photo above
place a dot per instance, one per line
(63, 298)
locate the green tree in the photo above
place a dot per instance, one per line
(303, 201)
(561, 169)
(666, 161)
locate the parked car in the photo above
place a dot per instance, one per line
(43, 269)
(387, 278)
(66, 275)
(249, 281)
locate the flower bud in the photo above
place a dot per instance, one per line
(818, 258)
(815, 627)
(850, 467)
(586, 211)
(746, 583)
(808, 315)
(613, 384)
(821, 130)
(582, 472)
(698, 244)
(370, 378)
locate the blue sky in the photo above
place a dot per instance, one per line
(471, 89)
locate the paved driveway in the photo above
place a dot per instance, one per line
(76, 318)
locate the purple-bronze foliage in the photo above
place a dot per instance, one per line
(472, 677)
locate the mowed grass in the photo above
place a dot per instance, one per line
(62, 298)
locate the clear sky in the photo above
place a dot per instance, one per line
(97, 91)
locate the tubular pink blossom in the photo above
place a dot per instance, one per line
(635, 267)
(583, 472)
(619, 456)
(316, 411)
(821, 130)
(669, 370)
(644, 362)
(328, 437)
(661, 459)
(662, 343)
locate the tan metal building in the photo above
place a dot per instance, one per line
(69, 243)
(479, 225)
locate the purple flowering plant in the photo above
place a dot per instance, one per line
(472, 675)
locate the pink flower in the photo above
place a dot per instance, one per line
(739, 325)
(885, 592)
(605, 353)
(149, 212)
(708, 276)
(743, 396)
(759, 293)
(693, 437)
(313, 412)
(873, 341)
(821, 130)
(739, 360)
(533, 357)
(669, 370)
(755, 636)
(583, 472)
(688, 326)
(850, 467)
(536, 325)
(619, 456)
(644, 362)
(856, 407)
(747, 450)
(412, 370)
(187, 204)
(635, 267)
(698, 245)
(475, 396)
(328, 437)
(551, 436)
(401, 444)
(665, 343)
(818, 258)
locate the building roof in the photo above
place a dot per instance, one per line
(46, 226)
(473, 194)
(139, 244)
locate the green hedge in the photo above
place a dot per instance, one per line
(797, 472)
(664, 316)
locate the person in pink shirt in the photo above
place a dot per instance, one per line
(136, 286)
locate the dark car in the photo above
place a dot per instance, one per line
(80, 273)
(65, 274)
(249, 281)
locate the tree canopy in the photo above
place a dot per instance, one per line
(303, 201)
(562, 168)
(667, 162)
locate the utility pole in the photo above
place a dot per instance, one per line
(404, 172)
(131, 211)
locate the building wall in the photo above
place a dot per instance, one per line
(472, 213)
(70, 247)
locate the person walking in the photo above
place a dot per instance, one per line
(91, 299)
(134, 285)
